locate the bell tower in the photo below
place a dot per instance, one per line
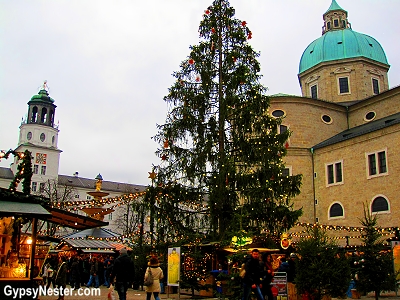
(39, 135)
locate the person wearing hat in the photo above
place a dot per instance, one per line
(123, 272)
(157, 273)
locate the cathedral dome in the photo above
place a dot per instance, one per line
(341, 44)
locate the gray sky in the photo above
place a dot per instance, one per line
(109, 63)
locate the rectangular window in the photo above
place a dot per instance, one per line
(35, 169)
(344, 85)
(282, 128)
(338, 167)
(336, 23)
(334, 173)
(382, 162)
(110, 216)
(286, 172)
(375, 86)
(34, 186)
(372, 164)
(77, 196)
(314, 94)
(377, 163)
(41, 187)
(43, 170)
(88, 197)
(330, 174)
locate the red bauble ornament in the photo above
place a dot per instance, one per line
(197, 78)
(234, 59)
(244, 23)
(249, 36)
(213, 30)
(286, 145)
(164, 157)
(191, 61)
(166, 144)
(207, 12)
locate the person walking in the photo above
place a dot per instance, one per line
(252, 276)
(61, 277)
(75, 275)
(268, 275)
(157, 273)
(94, 274)
(123, 272)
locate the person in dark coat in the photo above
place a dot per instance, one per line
(85, 270)
(123, 273)
(75, 275)
(284, 266)
(61, 277)
(94, 274)
(253, 276)
(109, 268)
(268, 275)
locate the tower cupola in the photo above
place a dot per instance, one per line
(335, 18)
(41, 108)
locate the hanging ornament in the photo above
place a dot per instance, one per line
(234, 59)
(287, 145)
(166, 144)
(152, 175)
(198, 78)
(244, 23)
(191, 61)
(213, 30)
(212, 45)
(182, 83)
(207, 12)
(249, 36)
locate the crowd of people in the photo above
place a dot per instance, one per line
(259, 273)
(80, 270)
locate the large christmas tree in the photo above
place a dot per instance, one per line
(221, 152)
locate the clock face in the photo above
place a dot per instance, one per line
(42, 137)
(29, 135)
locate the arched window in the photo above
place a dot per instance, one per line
(44, 115)
(336, 210)
(34, 114)
(379, 204)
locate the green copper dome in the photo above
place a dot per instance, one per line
(42, 96)
(341, 44)
(339, 41)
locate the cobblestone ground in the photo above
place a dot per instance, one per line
(102, 294)
(141, 295)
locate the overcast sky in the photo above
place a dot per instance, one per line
(109, 63)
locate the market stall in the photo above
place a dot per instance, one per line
(19, 251)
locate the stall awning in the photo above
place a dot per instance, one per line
(119, 246)
(83, 244)
(11, 208)
(98, 251)
(73, 220)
